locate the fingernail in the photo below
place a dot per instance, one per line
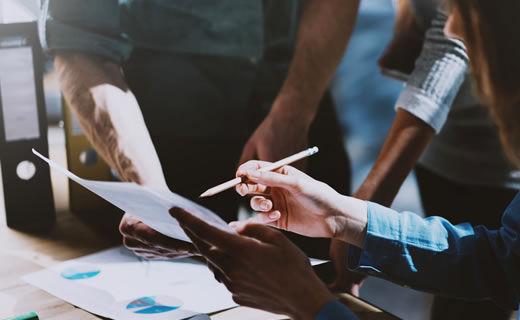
(233, 225)
(274, 215)
(264, 205)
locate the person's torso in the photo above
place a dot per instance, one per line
(467, 149)
(233, 28)
(209, 69)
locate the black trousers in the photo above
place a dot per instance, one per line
(200, 113)
(459, 203)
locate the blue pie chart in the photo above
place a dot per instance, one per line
(153, 304)
(80, 272)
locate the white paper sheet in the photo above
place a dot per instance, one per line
(116, 284)
(146, 204)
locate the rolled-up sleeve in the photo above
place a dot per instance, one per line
(433, 255)
(439, 72)
(91, 27)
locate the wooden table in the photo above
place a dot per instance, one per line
(22, 253)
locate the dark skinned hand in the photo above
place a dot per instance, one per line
(150, 244)
(259, 266)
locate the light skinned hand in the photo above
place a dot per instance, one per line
(150, 244)
(291, 200)
(259, 266)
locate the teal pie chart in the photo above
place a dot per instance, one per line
(153, 304)
(80, 272)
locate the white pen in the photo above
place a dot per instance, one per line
(278, 164)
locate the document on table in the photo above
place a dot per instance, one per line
(146, 204)
(117, 284)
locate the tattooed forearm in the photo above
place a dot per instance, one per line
(109, 116)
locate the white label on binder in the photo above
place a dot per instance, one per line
(18, 93)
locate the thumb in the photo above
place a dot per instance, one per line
(261, 232)
(269, 218)
(248, 153)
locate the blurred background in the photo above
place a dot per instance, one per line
(365, 104)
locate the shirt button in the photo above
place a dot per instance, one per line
(253, 60)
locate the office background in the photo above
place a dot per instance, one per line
(364, 102)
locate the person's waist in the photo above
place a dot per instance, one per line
(466, 159)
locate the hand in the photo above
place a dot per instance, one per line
(274, 139)
(259, 266)
(346, 280)
(150, 244)
(291, 200)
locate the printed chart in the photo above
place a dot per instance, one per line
(80, 272)
(117, 284)
(152, 305)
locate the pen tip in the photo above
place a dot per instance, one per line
(204, 195)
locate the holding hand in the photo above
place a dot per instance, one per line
(291, 200)
(150, 244)
(274, 139)
(260, 267)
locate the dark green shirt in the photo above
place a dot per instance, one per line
(195, 66)
(112, 28)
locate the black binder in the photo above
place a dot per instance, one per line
(29, 203)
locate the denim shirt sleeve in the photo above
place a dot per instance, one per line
(91, 27)
(433, 255)
(439, 72)
(335, 310)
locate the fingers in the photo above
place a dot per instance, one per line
(251, 165)
(263, 233)
(208, 234)
(142, 236)
(260, 203)
(268, 218)
(274, 179)
(216, 259)
(143, 250)
(244, 189)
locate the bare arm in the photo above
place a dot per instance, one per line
(405, 143)
(323, 34)
(110, 117)
(324, 31)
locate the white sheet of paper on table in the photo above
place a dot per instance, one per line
(146, 204)
(117, 284)
(116, 279)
